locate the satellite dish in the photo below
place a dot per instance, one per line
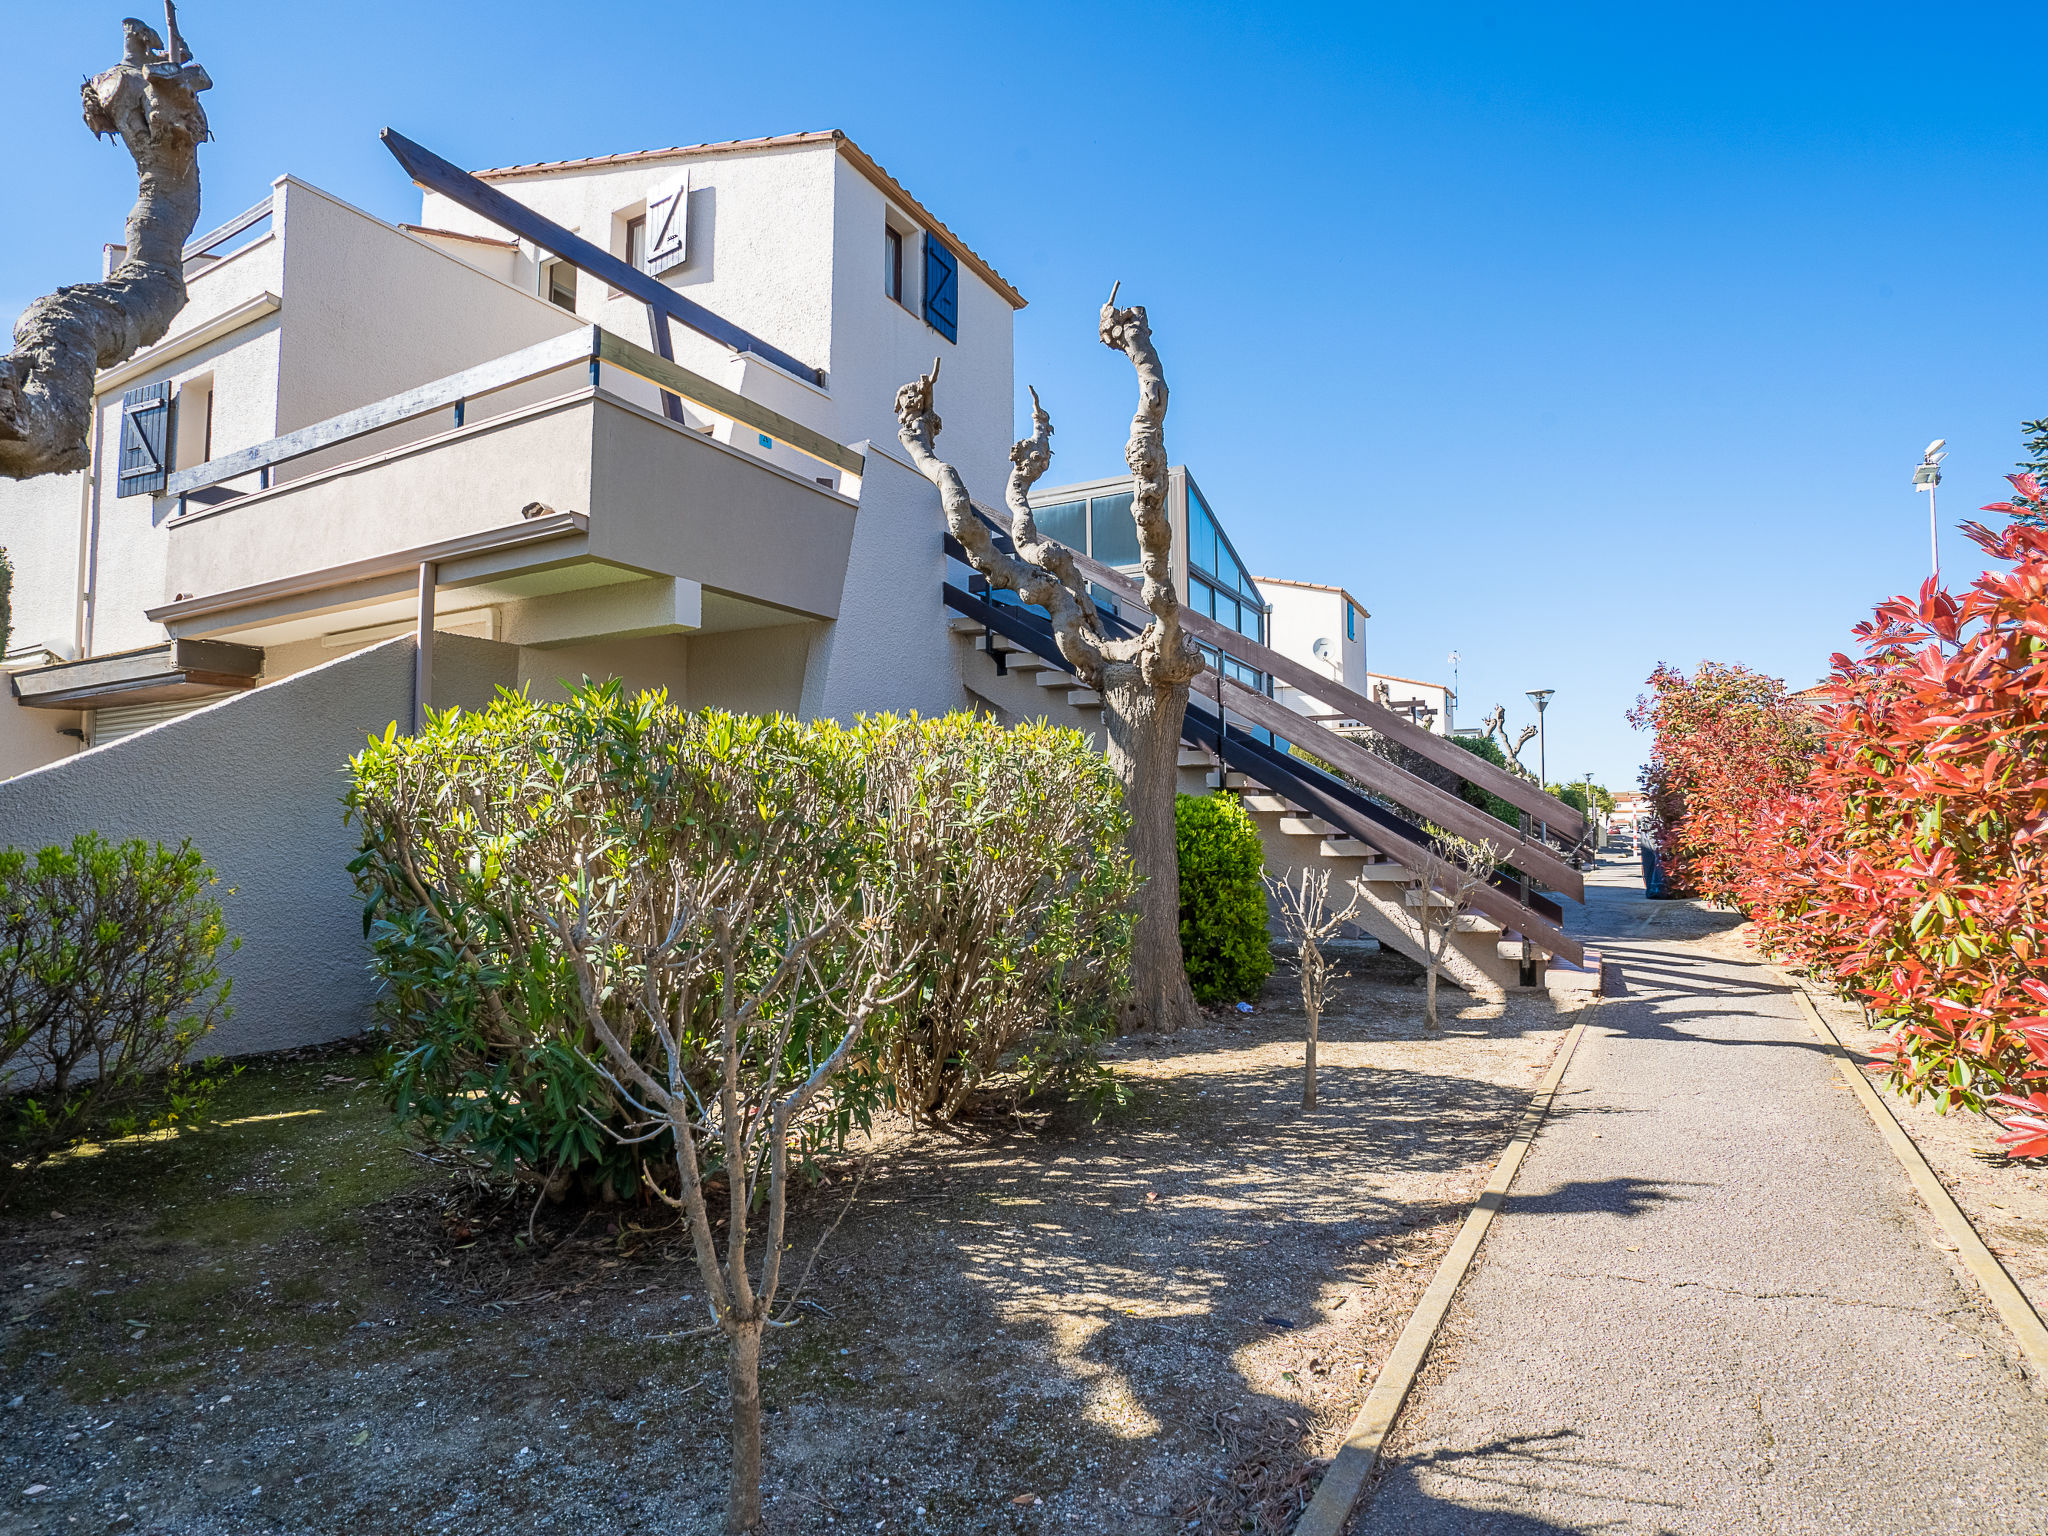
(1938, 444)
(1322, 650)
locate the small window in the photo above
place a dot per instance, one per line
(1067, 522)
(1113, 536)
(892, 263)
(941, 289)
(636, 243)
(1350, 622)
(1201, 533)
(193, 438)
(558, 283)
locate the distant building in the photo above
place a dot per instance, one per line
(1322, 627)
(1427, 704)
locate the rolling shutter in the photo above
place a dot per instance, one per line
(941, 288)
(118, 720)
(145, 463)
(668, 224)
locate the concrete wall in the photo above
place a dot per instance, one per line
(1303, 614)
(890, 647)
(253, 782)
(373, 311)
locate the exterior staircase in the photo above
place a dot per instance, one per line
(1512, 940)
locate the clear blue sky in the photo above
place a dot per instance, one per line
(1574, 338)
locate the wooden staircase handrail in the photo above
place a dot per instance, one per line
(1465, 820)
(1473, 769)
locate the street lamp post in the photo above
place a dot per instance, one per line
(1926, 476)
(1540, 697)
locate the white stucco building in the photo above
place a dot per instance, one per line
(357, 432)
(1428, 704)
(1322, 627)
(377, 468)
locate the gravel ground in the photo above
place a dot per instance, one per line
(294, 1323)
(1713, 1304)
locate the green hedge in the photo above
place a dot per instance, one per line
(1223, 939)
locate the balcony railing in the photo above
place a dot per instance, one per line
(592, 346)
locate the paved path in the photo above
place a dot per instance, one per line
(1713, 1304)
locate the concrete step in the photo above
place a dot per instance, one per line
(1015, 657)
(1083, 698)
(1562, 976)
(1196, 757)
(1055, 677)
(1271, 804)
(1344, 848)
(1476, 922)
(1385, 872)
(1226, 780)
(1512, 946)
(962, 625)
(1419, 897)
(1305, 826)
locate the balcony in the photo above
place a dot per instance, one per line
(532, 481)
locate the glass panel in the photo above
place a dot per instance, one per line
(1116, 536)
(1067, 522)
(1202, 597)
(1226, 610)
(1248, 621)
(1201, 532)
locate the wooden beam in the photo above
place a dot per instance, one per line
(1531, 857)
(500, 373)
(641, 363)
(1518, 792)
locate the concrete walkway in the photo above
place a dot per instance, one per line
(1713, 1304)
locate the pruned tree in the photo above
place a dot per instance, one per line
(758, 992)
(1496, 725)
(1453, 868)
(151, 101)
(1303, 902)
(1143, 679)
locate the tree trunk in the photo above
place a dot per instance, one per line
(151, 101)
(743, 1385)
(1142, 722)
(1308, 1075)
(1429, 1005)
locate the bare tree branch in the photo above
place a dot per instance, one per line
(151, 100)
(1077, 630)
(1165, 655)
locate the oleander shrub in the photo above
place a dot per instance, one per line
(109, 978)
(1004, 854)
(1223, 938)
(1000, 851)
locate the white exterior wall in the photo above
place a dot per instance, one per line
(890, 649)
(371, 311)
(787, 243)
(760, 245)
(1304, 614)
(878, 345)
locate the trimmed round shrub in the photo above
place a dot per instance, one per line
(1223, 939)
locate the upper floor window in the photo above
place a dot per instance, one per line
(558, 284)
(1350, 622)
(892, 262)
(636, 243)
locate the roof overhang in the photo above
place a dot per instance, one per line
(156, 674)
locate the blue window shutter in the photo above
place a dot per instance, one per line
(145, 463)
(941, 288)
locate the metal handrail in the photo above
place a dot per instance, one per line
(588, 344)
